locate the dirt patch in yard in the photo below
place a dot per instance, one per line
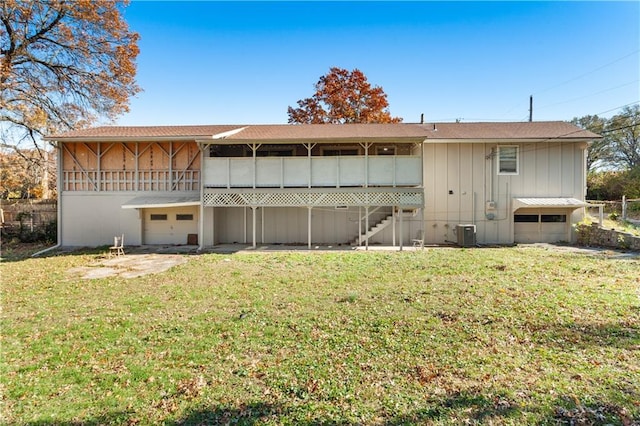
(129, 266)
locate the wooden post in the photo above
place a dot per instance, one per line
(171, 166)
(309, 228)
(393, 224)
(201, 213)
(600, 214)
(624, 207)
(253, 210)
(359, 225)
(401, 232)
(99, 167)
(366, 227)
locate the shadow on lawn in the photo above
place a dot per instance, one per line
(477, 408)
(580, 334)
(456, 408)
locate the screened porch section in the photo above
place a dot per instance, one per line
(334, 167)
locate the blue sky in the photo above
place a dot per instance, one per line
(246, 62)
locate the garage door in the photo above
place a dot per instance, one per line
(170, 225)
(541, 226)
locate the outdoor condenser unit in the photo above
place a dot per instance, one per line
(466, 235)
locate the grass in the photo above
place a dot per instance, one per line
(442, 336)
(617, 224)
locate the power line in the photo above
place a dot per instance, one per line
(588, 72)
(590, 94)
(620, 107)
(578, 77)
(629, 126)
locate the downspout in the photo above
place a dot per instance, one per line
(59, 204)
(201, 215)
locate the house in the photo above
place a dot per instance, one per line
(322, 184)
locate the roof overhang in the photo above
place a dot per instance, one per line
(322, 141)
(154, 202)
(502, 141)
(549, 203)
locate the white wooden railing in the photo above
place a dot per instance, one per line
(300, 172)
(130, 180)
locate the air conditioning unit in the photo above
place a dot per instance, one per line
(466, 235)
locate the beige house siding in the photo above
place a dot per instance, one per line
(93, 219)
(288, 225)
(460, 178)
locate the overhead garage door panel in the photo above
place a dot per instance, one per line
(541, 225)
(170, 225)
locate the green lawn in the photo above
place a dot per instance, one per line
(442, 336)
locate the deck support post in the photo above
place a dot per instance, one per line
(393, 225)
(253, 211)
(401, 232)
(309, 227)
(366, 227)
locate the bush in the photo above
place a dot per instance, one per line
(612, 185)
(47, 233)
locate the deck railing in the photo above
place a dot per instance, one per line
(130, 180)
(300, 172)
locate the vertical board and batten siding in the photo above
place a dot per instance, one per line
(289, 225)
(285, 225)
(469, 170)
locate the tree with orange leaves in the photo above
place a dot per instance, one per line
(343, 96)
(63, 64)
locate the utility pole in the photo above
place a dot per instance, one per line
(530, 108)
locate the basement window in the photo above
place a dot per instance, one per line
(525, 218)
(508, 160)
(553, 218)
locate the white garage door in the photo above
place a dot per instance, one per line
(541, 225)
(170, 225)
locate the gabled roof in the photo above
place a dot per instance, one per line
(536, 131)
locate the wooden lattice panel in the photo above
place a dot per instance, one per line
(313, 198)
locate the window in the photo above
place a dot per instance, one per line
(273, 151)
(525, 218)
(385, 150)
(158, 217)
(184, 217)
(507, 160)
(553, 218)
(334, 152)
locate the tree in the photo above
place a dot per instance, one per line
(63, 64)
(343, 96)
(624, 131)
(22, 175)
(619, 147)
(599, 150)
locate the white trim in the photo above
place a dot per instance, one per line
(548, 203)
(517, 148)
(151, 202)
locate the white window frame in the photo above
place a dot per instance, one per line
(499, 158)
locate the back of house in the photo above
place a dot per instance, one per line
(358, 184)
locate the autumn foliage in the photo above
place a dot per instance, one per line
(343, 96)
(63, 65)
